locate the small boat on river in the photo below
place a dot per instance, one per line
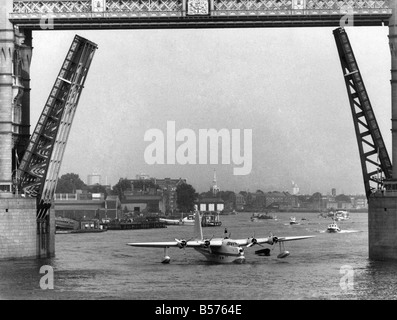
(333, 228)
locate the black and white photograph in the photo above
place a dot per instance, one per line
(198, 154)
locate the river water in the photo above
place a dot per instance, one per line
(102, 266)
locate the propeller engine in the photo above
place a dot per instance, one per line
(181, 243)
(263, 252)
(253, 242)
(207, 242)
(272, 239)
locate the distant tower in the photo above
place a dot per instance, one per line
(333, 192)
(215, 189)
(93, 179)
(295, 188)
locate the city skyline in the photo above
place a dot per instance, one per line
(286, 85)
(294, 186)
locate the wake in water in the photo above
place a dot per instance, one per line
(342, 231)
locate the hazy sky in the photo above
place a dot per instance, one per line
(286, 85)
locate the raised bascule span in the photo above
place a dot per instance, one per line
(38, 171)
(375, 162)
(28, 221)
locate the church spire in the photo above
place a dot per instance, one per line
(215, 188)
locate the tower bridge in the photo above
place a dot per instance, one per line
(29, 163)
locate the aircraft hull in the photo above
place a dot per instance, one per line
(222, 256)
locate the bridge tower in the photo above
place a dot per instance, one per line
(382, 207)
(15, 58)
(17, 214)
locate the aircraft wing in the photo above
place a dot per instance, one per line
(178, 243)
(154, 244)
(249, 241)
(282, 239)
(269, 240)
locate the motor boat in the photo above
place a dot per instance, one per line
(333, 227)
(188, 221)
(341, 215)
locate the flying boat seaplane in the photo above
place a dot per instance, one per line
(220, 250)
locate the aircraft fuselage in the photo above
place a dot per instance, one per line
(228, 252)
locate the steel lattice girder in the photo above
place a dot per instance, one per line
(134, 14)
(38, 171)
(369, 138)
(37, 6)
(174, 14)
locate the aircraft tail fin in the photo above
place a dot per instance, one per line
(198, 230)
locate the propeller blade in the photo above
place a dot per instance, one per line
(182, 243)
(207, 242)
(253, 242)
